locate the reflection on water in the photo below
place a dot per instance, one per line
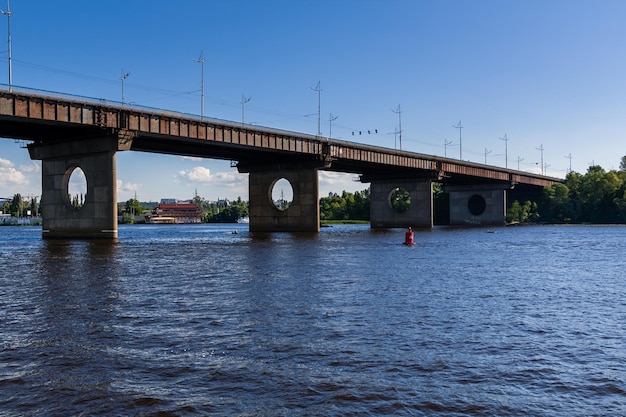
(197, 320)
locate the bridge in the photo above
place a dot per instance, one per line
(68, 132)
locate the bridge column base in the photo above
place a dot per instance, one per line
(302, 215)
(419, 213)
(477, 204)
(97, 217)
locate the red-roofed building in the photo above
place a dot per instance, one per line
(180, 213)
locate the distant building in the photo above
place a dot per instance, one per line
(176, 213)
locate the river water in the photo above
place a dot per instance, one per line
(182, 320)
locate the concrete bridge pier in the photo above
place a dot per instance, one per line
(483, 204)
(97, 217)
(419, 213)
(302, 215)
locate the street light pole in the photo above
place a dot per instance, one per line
(123, 77)
(541, 149)
(446, 143)
(201, 61)
(399, 123)
(319, 107)
(459, 126)
(244, 100)
(330, 125)
(506, 151)
(8, 15)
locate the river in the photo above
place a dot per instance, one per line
(194, 320)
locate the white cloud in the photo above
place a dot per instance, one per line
(337, 182)
(330, 178)
(10, 175)
(32, 168)
(127, 187)
(197, 174)
(203, 175)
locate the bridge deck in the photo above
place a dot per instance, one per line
(49, 118)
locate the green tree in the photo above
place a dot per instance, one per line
(347, 206)
(400, 200)
(17, 206)
(597, 196)
(558, 205)
(226, 212)
(133, 207)
(598, 191)
(34, 207)
(441, 205)
(333, 208)
(522, 213)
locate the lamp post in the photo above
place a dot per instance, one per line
(201, 61)
(244, 100)
(399, 112)
(330, 125)
(506, 151)
(459, 126)
(8, 15)
(446, 143)
(318, 89)
(541, 149)
(122, 78)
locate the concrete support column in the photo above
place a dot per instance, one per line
(419, 213)
(97, 218)
(302, 215)
(477, 204)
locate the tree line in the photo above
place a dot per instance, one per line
(598, 196)
(19, 207)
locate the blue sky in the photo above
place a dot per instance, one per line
(547, 73)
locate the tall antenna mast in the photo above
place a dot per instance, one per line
(319, 107)
(506, 151)
(8, 15)
(459, 126)
(201, 61)
(399, 123)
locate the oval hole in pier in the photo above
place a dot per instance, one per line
(400, 199)
(477, 205)
(282, 194)
(77, 188)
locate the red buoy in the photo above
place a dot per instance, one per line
(409, 238)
